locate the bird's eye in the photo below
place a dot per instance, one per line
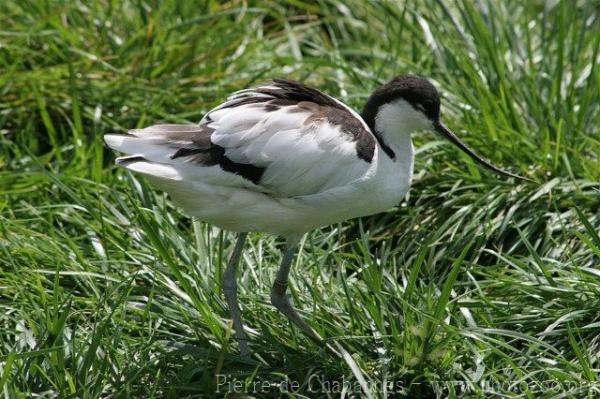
(420, 107)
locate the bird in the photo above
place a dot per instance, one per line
(285, 158)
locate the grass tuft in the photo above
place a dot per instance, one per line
(473, 286)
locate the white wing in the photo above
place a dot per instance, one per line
(285, 140)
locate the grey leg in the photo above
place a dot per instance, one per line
(229, 287)
(278, 297)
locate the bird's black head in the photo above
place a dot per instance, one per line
(408, 103)
(417, 92)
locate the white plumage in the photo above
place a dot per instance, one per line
(312, 176)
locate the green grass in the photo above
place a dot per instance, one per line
(475, 286)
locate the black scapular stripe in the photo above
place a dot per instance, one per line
(204, 152)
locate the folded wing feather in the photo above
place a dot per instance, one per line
(257, 140)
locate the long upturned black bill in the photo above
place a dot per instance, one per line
(443, 130)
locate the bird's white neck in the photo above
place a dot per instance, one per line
(395, 122)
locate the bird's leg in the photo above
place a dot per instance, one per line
(279, 298)
(229, 287)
